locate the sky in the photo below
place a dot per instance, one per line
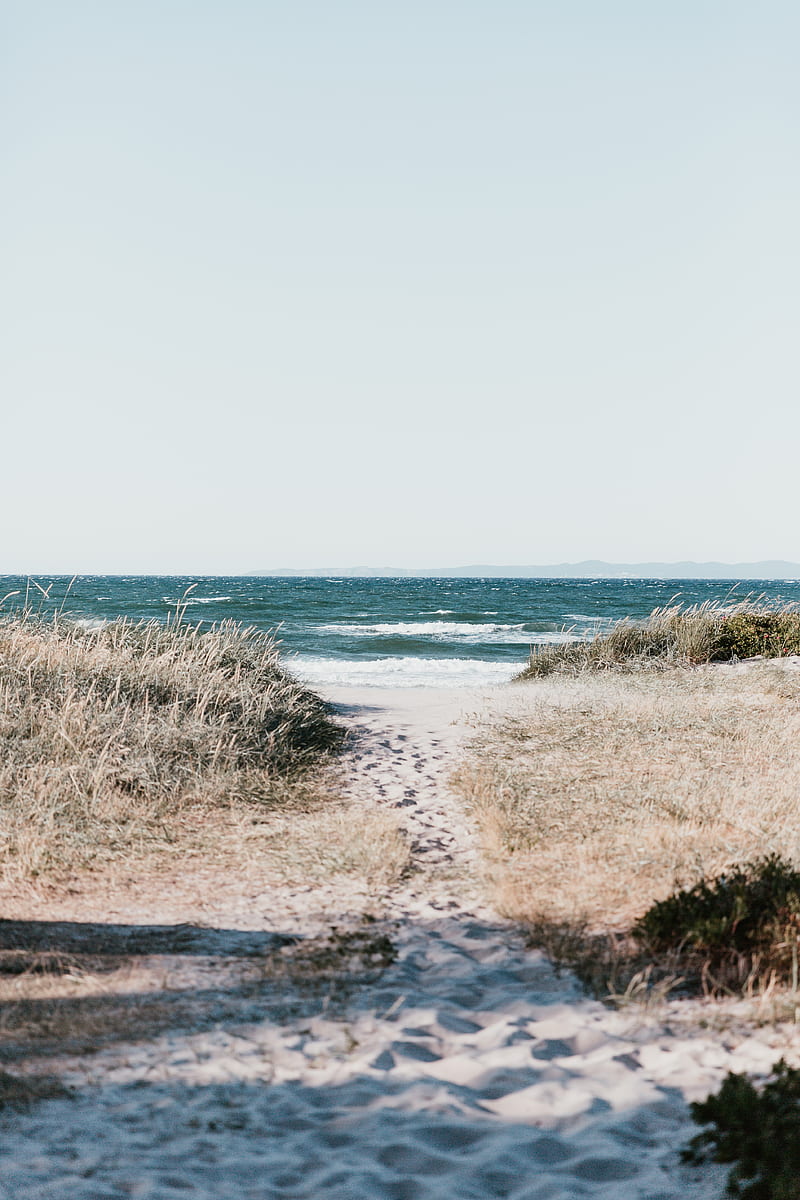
(298, 283)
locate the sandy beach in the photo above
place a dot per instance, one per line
(399, 631)
(466, 1068)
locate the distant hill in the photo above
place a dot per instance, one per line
(590, 569)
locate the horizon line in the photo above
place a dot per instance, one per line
(589, 568)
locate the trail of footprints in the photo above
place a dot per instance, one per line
(410, 774)
(467, 1071)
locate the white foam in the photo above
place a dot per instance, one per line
(196, 600)
(402, 672)
(449, 631)
(414, 629)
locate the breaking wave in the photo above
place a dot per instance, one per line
(402, 672)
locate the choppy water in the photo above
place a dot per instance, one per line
(398, 632)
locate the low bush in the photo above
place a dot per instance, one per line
(746, 921)
(758, 1131)
(746, 634)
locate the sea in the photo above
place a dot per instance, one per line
(382, 632)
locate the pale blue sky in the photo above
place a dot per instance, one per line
(303, 283)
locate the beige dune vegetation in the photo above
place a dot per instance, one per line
(609, 779)
(678, 635)
(133, 743)
(163, 773)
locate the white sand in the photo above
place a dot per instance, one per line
(467, 1069)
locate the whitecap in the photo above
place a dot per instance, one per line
(595, 620)
(446, 629)
(197, 600)
(471, 633)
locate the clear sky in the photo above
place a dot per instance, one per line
(296, 283)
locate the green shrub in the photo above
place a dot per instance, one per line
(759, 1131)
(750, 912)
(746, 634)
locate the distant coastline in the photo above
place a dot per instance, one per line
(589, 569)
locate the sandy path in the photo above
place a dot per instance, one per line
(465, 1069)
(408, 740)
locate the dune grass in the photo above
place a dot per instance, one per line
(164, 775)
(678, 636)
(598, 794)
(109, 734)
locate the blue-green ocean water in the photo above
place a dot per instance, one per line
(387, 632)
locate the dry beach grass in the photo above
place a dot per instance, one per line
(678, 635)
(597, 793)
(109, 736)
(157, 768)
